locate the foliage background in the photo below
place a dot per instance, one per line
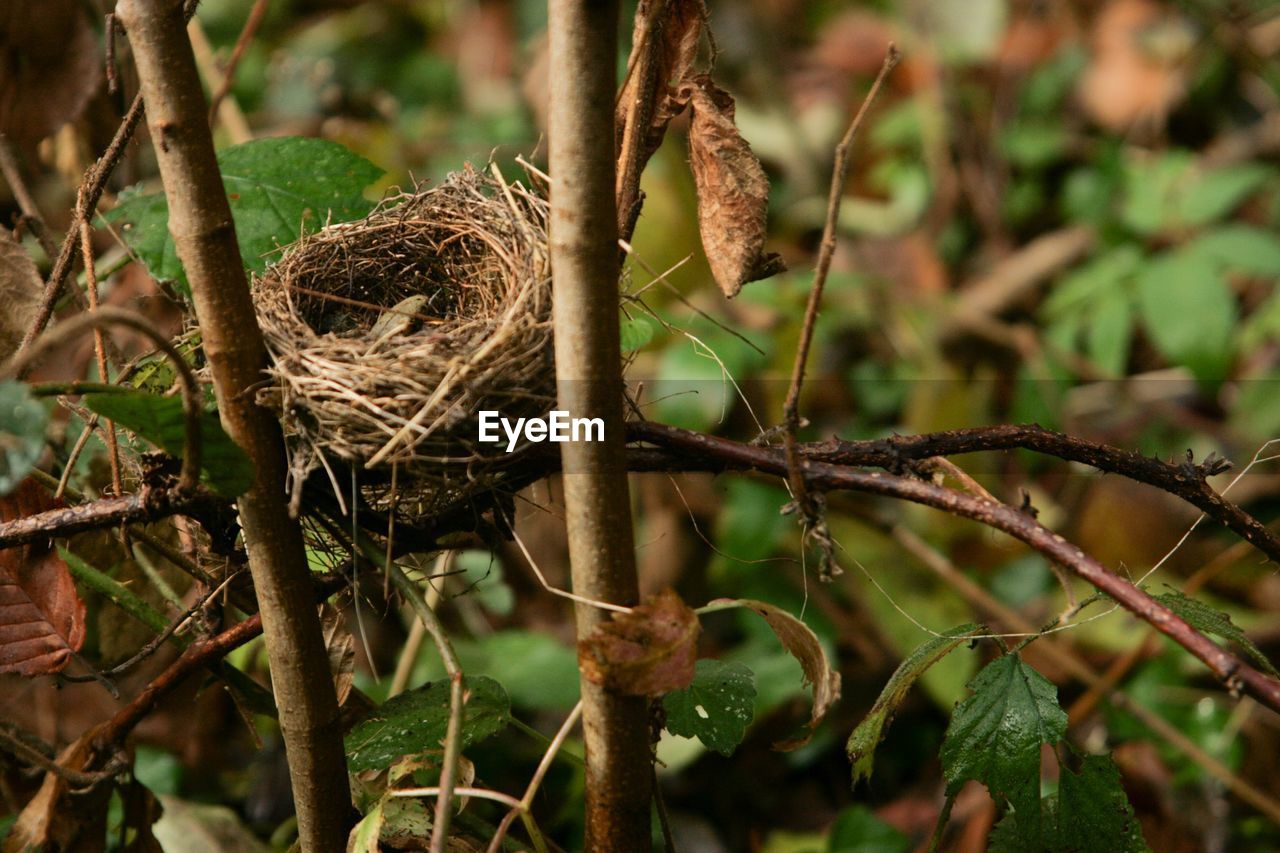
(1141, 136)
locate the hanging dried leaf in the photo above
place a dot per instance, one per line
(799, 639)
(20, 288)
(341, 647)
(670, 40)
(41, 615)
(646, 652)
(52, 66)
(733, 192)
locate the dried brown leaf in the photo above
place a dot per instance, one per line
(733, 192)
(649, 651)
(41, 615)
(673, 38)
(52, 64)
(20, 288)
(341, 648)
(799, 639)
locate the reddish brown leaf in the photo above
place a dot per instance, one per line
(733, 192)
(647, 652)
(799, 639)
(341, 647)
(41, 616)
(20, 287)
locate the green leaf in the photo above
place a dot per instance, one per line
(1246, 248)
(278, 189)
(224, 467)
(995, 736)
(867, 736)
(1108, 335)
(1188, 311)
(1151, 188)
(716, 707)
(415, 722)
(635, 332)
(1216, 192)
(1034, 144)
(1093, 811)
(1092, 281)
(1206, 619)
(22, 423)
(858, 830)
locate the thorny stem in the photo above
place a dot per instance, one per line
(839, 174)
(584, 264)
(204, 236)
(1230, 670)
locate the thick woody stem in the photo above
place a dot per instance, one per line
(204, 235)
(584, 263)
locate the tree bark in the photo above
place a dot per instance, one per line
(584, 263)
(204, 235)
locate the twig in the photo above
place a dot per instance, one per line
(525, 804)
(251, 23)
(418, 631)
(229, 113)
(26, 202)
(91, 188)
(791, 408)
(453, 733)
(113, 77)
(192, 403)
(15, 742)
(100, 353)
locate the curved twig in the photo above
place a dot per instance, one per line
(109, 316)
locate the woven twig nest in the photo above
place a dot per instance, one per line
(388, 335)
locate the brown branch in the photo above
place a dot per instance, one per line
(826, 251)
(256, 14)
(706, 450)
(12, 172)
(144, 506)
(204, 236)
(584, 263)
(91, 189)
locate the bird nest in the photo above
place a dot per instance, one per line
(389, 335)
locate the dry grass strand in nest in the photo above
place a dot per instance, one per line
(388, 336)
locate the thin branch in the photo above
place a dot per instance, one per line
(1229, 669)
(12, 172)
(100, 352)
(453, 733)
(839, 174)
(192, 402)
(91, 189)
(251, 23)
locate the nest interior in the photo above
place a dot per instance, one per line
(388, 335)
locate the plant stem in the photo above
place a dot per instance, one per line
(584, 263)
(204, 235)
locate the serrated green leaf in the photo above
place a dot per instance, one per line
(1246, 248)
(868, 734)
(995, 736)
(1093, 812)
(22, 423)
(716, 707)
(416, 722)
(1206, 619)
(858, 830)
(1188, 311)
(224, 467)
(278, 189)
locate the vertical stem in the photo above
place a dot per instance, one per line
(204, 234)
(584, 263)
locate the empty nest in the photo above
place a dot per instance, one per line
(388, 335)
